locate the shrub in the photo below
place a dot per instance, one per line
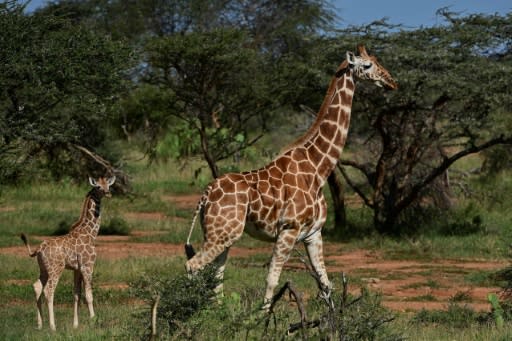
(116, 226)
(345, 317)
(180, 298)
(458, 316)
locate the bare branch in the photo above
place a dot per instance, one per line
(98, 159)
(447, 162)
(356, 189)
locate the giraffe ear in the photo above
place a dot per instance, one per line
(350, 59)
(111, 181)
(362, 51)
(93, 182)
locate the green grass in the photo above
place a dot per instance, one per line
(38, 209)
(441, 332)
(19, 323)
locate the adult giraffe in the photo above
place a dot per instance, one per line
(283, 201)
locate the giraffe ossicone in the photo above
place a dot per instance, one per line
(74, 251)
(283, 201)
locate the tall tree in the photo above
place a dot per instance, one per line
(454, 95)
(217, 86)
(58, 83)
(226, 66)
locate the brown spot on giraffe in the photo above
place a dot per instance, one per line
(284, 202)
(74, 251)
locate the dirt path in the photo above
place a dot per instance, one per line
(406, 285)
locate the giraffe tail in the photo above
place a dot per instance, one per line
(189, 249)
(25, 241)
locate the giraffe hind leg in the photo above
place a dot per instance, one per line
(220, 233)
(38, 289)
(215, 250)
(77, 293)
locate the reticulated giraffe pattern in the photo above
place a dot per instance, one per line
(74, 251)
(283, 201)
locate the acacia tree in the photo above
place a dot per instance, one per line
(223, 68)
(217, 87)
(454, 92)
(58, 82)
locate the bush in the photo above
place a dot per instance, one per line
(180, 297)
(63, 227)
(116, 226)
(343, 316)
(458, 316)
(464, 222)
(364, 318)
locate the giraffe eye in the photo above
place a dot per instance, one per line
(367, 66)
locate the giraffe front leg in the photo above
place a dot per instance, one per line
(77, 292)
(87, 279)
(314, 248)
(49, 291)
(282, 249)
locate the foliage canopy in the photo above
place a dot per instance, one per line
(58, 83)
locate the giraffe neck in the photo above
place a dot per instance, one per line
(326, 142)
(321, 113)
(89, 221)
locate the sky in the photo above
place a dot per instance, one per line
(410, 13)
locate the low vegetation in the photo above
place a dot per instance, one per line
(176, 97)
(126, 287)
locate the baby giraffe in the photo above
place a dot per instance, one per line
(74, 251)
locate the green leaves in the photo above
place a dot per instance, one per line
(452, 85)
(58, 82)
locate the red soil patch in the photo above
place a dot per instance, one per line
(405, 285)
(183, 201)
(145, 216)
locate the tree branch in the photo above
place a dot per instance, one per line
(352, 185)
(447, 162)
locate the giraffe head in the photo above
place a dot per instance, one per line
(365, 66)
(102, 185)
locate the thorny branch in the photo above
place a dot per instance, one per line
(121, 183)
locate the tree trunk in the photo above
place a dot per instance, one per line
(212, 164)
(338, 200)
(385, 220)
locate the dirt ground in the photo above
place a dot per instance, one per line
(406, 285)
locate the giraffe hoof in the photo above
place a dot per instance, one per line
(94, 319)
